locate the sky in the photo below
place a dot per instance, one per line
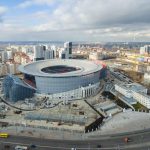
(75, 20)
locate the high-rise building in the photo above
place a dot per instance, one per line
(4, 56)
(68, 49)
(39, 51)
(62, 54)
(49, 54)
(27, 49)
(11, 68)
(66, 52)
(9, 54)
(53, 47)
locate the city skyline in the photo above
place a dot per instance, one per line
(75, 20)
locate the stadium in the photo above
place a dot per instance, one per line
(63, 78)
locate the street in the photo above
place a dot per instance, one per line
(138, 142)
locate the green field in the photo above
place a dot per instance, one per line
(138, 106)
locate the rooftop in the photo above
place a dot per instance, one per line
(36, 68)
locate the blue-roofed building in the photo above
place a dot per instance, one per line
(15, 89)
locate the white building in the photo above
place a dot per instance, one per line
(9, 54)
(145, 49)
(62, 54)
(147, 78)
(27, 49)
(127, 89)
(42, 52)
(24, 49)
(14, 48)
(135, 91)
(11, 68)
(142, 98)
(79, 93)
(66, 52)
(148, 68)
(38, 51)
(53, 47)
(94, 56)
(123, 90)
(49, 54)
(4, 56)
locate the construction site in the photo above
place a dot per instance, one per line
(79, 116)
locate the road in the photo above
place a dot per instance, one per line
(139, 141)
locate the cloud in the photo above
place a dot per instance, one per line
(84, 20)
(29, 3)
(97, 14)
(2, 12)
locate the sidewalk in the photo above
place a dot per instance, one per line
(42, 133)
(125, 122)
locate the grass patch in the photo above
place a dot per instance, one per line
(139, 106)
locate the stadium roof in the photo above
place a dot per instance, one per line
(84, 67)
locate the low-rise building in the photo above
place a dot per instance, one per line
(142, 98)
(135, 91)
(123, 90)
(128, 88)
(145, 49)
(21, 58)
(147, 78)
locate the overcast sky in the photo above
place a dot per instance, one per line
(75, 20)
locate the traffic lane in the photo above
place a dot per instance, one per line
(113, 142)
(63, 143)
(140, 148)
(12, 147)
(85, 147)
(135, 137)
(46, 144)
(37, 147)
(59, 144)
